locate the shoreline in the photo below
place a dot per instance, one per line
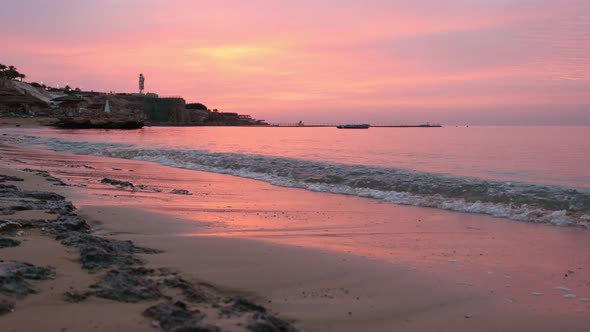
(558, 202)
(33, 122)
(315, 286)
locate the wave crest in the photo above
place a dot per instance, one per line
(515, 200)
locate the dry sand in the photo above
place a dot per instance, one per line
(47, 310)
(315, 283)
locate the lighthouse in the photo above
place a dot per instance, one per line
(141, 83)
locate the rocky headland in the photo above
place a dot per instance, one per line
(77, 109)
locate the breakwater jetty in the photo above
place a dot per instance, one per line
(308, 125)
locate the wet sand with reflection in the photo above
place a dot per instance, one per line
(337, 263)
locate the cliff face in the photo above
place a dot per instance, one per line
(170, 111)
(174, 111)
(188, 116)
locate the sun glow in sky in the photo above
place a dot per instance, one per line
(389, 61)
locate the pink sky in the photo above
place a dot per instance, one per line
(449, 61)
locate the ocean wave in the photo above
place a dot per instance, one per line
(550, 204)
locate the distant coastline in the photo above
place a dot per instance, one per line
(74, 108)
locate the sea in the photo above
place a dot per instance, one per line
(532, 174)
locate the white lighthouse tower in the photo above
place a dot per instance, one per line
(107, 107)
(141, 83)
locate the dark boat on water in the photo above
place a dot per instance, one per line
(354, 126)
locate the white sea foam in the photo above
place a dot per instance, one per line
(518, 201)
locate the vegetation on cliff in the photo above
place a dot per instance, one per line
(10, 72)
(196, 106)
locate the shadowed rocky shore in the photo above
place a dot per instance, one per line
(173, 303)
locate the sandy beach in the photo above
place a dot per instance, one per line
(295, 253)
(55, 267)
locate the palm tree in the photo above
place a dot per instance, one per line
(11, 73)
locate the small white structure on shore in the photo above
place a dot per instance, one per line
(107, 108)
